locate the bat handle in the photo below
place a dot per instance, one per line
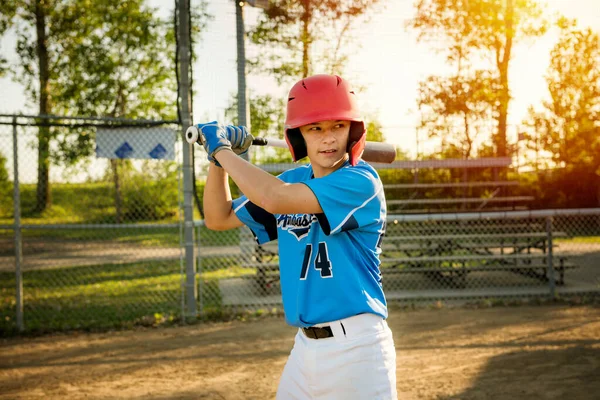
(192, 135)
(259, 141)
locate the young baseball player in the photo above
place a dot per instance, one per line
(329, 218)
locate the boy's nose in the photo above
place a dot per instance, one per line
(328, 135)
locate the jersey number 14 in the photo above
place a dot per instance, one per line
(321, 261)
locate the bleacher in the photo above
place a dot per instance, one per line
(448, 252)
(459, 193)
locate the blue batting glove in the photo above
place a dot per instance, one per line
(239, 138)
(214, 139)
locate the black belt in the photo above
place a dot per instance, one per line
(318, 333)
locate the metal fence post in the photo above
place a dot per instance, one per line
(550, 265)
(17, 229)
(188, 177)
(247, 243)
(200, 279)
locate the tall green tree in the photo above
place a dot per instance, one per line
(34, 26)
(478, 30)
(289, 32)
(296, 38)
(8, 9)
(457, 109)
(92, 58)
(568, 126)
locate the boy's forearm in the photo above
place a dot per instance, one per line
(255, 183)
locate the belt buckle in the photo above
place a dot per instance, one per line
(313, 332)
(309, 332)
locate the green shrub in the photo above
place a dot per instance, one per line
(6, 189)
(151, 194)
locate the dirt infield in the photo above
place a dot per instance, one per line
(542, 352)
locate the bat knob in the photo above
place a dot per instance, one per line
(192, 134)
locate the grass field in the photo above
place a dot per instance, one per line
(579, 239)
(143, 200)
(108, 296)
(143, 236)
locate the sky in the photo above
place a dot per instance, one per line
(389, 64)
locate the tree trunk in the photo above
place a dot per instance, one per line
(598, 200)
(306, 41)
(118, 194)
(503, 59)
(466, 155)
(43, 186)
(118, 112)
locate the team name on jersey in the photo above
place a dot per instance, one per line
(296, 224)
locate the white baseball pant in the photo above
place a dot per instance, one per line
(358, 362)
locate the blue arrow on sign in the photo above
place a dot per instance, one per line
(158, 152)
(124, 151)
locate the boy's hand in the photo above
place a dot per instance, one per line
(214, 138)
(239, 138)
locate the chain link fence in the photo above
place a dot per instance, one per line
(434, 257)
(101, 248)
(107, 250)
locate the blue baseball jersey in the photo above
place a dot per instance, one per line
(329, 262)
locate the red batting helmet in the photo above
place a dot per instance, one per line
(320, 98)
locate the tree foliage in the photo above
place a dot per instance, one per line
(297, 38)
(5, 187)
(568, 127)
(115, 59)
(8, 9)
(267, 115)
(294, 34)
(374, 130)
(457, 109)
(91, 58)
(478, 30)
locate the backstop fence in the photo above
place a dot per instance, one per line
(101, 246)
(105, 248)
(430, 257)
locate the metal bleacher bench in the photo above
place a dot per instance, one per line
(417, 195)
(446, 185)
(452, 256)
(454, 210)
(462, 200)
(530, 265)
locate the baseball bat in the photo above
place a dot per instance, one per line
(374, 151)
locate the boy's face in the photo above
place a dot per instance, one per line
(326, 144)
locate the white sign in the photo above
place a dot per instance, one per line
(132, 142)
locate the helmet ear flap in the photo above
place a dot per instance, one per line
(296, 143)
(357, 139)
